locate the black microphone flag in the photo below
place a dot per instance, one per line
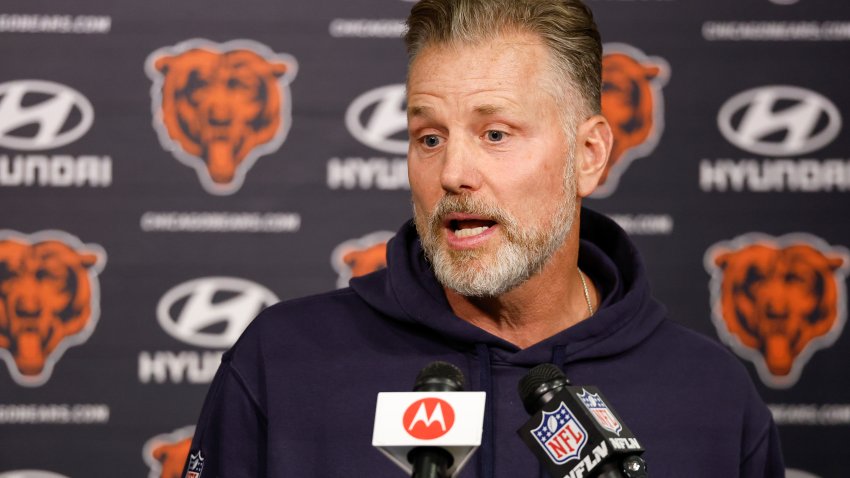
(573, 431)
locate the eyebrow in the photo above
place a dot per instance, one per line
(415, 111)
(488, 110)
(483, 110)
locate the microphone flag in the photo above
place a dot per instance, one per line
(576, 432)
(452, 421)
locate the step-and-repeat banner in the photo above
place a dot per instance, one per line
(168, 169)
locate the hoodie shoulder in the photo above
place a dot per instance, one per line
(697, 349)
(713, 368)
(288, 325)
(283, 336)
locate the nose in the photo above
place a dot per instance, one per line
(217, 105)
(218, 118)
(219, 114)
(25, 299)
(774, 300)
(461, 167)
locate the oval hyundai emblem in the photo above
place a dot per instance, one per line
(212, 311)
(31, 474)
(779, 121)
(378, 118)
(59, 113)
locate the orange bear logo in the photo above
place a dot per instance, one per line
(49, 300)
(219, 107)
(778, 300)
(634, 106)
(357, 257)
(166, 454)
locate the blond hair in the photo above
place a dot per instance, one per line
(565, 27)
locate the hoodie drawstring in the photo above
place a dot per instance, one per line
(559, 355)
(487, 461)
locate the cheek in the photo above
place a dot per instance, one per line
(53, 295)
(538, 181)
(425, 185)
(423, 205)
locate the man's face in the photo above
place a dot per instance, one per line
(489, 162)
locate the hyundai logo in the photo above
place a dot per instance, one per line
(60, 114)
(31, 474)
(779, 121)
(378, 119)
(212, 311)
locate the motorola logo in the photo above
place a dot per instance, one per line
(378, 119)
(38, 115)
(428, 418)
(779, 121)
(212, 311)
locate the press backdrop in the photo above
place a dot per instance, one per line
(168, 168)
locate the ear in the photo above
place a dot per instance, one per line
(159, 453)
(279, 68)
(87, 259)
(350, 258)
(651, 71)
(721, 258)
(835, 262)
(162, 63)
(593, 145)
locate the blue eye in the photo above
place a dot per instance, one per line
(495, 136)
(431, 141)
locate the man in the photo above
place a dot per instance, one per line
(497, 273)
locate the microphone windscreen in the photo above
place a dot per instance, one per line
(540, 381)
(439, 377)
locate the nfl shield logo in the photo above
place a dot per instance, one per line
(600, 412)
(561, 435)
(196, 465)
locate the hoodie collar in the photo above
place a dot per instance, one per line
(409, 292)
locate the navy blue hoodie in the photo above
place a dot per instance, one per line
(295, 397)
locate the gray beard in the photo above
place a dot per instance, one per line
(524, 251)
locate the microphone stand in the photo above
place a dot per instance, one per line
(430, 462)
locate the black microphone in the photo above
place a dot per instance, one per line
(574, 431)
(431, 461)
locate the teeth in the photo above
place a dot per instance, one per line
(470, 232)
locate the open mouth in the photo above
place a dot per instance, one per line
(468, 227)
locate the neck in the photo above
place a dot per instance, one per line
(547, 303)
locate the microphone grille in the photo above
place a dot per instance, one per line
(439, 375)
(540, 380)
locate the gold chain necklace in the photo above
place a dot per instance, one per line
(586, 291)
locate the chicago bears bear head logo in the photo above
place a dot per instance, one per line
(634, 106)
(219, 107)
(166, 454)
(357, 257)
(776, 301)
(49, 299)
